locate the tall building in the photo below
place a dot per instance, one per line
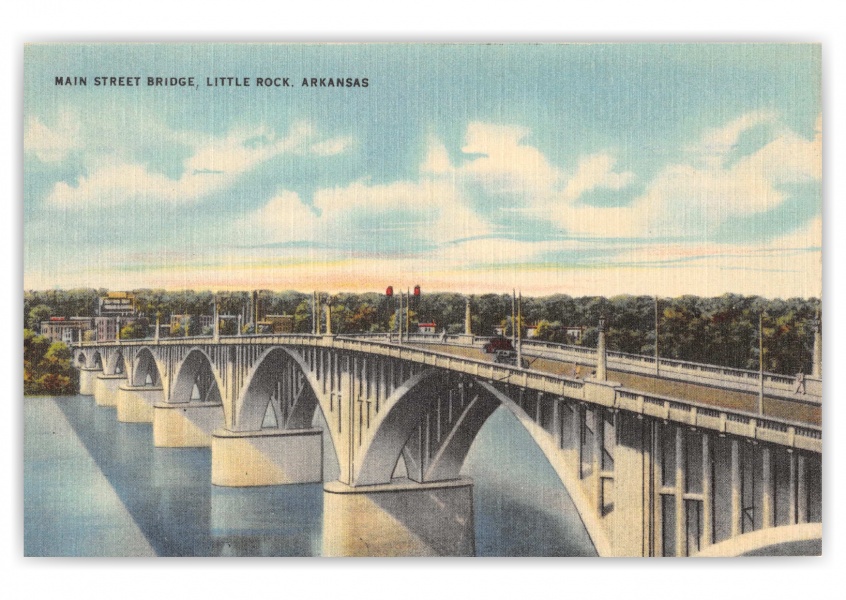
(117, 304)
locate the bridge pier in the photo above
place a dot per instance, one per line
(87, 377)
(185, 425)
(135, 403)
(106, 389)
(267, 457)
(401, 518)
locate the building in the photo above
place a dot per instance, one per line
(277, 324)
(117, 304)
(531, 331)
(426, 327)
(205, 321)
(576, 333)
(105, 328)
(67, 330)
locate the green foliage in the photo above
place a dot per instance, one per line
(47, 366)
(721, 330)
(135, 331)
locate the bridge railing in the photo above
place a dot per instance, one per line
(704, 374)
(792, 434)
(695, 414)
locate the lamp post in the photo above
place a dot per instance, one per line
(601, 357)
(816, 368)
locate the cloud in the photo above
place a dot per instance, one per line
(596, 171)
(214, 163)
(405, 216)
(51, 144)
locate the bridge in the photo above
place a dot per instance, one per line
(661, 458)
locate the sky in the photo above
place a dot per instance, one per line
(578, 169)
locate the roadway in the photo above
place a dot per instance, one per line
(779, 408)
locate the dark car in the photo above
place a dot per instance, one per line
(499, 343)
(508, 357)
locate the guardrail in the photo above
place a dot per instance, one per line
(695, 414)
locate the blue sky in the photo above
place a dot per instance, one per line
(581, 169)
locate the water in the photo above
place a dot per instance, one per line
(97, 487)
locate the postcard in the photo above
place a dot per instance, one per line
(422, 299)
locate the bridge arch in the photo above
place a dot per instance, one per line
(147, 370)
(406, 426)
(196, 380)
(115, 364)
(281, 381)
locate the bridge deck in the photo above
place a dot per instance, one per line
(729, 399)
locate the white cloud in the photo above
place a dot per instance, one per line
(431, 210)
(216, 162)
(596, 171)
(52, 144)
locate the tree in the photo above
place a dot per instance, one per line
(37, 314)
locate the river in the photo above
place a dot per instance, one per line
(97, 487)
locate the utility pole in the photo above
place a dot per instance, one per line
(407, 314)
(399, 318)
(657, 359)
(761, 362)
(216, 325)
(513, 316)
(520, 330)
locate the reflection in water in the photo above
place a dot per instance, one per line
(517, 505)
(399, 519)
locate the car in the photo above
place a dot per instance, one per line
(499, 343)
(508, 357)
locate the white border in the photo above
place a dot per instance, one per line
(527, 20)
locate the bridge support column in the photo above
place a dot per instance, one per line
(631, 473)
(268, 457)
(187, 425)
(401, 518)
(87, 379)
(736, 515)
(135, 404)
(106, 389)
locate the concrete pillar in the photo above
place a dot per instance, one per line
(399, 519)
(791, 494)
(240, 325)
(767, 489)
(158, 327)
(816, 369)
(630, 483)
(346, 421)
(468, 325)
(135, 404)
(735, 489)
(601, 357)
(681, 467)
(597, 459)
(327, 309)
(87, 380)
(556, 422)
(106, 388)
(269, 457)
(707, 493)
(801, 490)
(188, 425)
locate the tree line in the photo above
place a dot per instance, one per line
(722, 330)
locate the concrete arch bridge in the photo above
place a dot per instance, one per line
(650, 475)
